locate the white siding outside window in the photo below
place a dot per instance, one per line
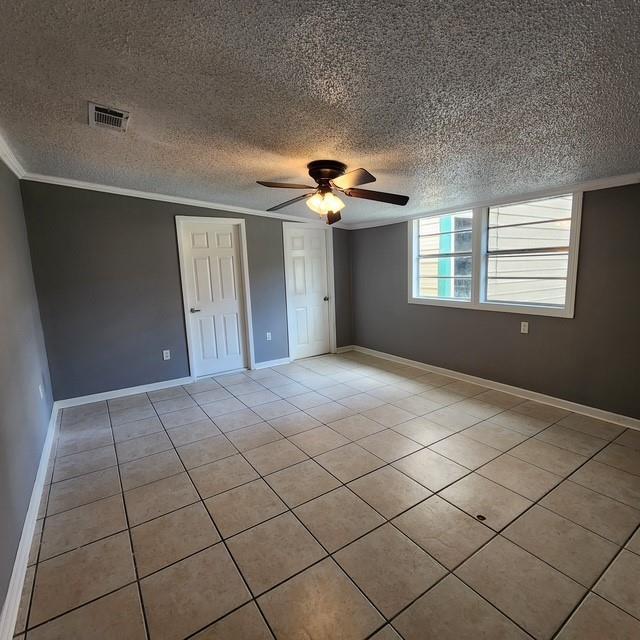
(519, 257)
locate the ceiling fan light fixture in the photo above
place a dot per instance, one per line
(324, 202)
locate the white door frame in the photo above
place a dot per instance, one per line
(331, 289)
(246, 293)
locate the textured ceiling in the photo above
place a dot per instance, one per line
(448, 102)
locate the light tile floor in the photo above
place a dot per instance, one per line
(337, 497)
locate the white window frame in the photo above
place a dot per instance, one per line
(479, 265)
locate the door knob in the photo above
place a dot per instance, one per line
(194, 310)
(326, 298)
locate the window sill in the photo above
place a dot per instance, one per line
(533, 310)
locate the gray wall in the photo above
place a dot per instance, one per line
(24, 416)
(108, 281)
(593, 359)
(342, 278)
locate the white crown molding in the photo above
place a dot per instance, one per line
(591, 185)
(592, 412)
(9, 158)
(163, 197)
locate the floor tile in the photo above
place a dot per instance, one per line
(592, 426)
(502, 399)
(572, 440)
(35, 542)
(386, 633)
(620, 457)
(222, 475)
(445, 532)
(211, 395)
(254, 436)
(132, 414)
(388, 491)
(256, 398)
(541, 411)
(84, 441)
(329, 412)
(273, 551)
(547, 456)
(301, 482)
(416, 404)
(526, 425)
(614, 483)
(83, 489)
(117, 615)
(361, 402)
(390, 569)
(307, 400)
(192, 432)
(596, 619)
(76, 577)
(222, 407)
(530, 592)
(634, 543)
(160, 497)
(467, 389)
(205, 384)
(166, 394)
(294, 423)
(237, 420)
(182, 417)
(453, 611)
(192, 593)
(442, 397)
(620, 584)
(137, 429)
(288, 391)
(494, 435)
(318, 440)
(577, 552)
(229, 379)
(74, 528)
(204, 451)
(145, 470)
(275, 456)
(78, 464)
(349, 462)
(243, 507)
(248, 386)
(246, 623)
(453, 418)
(478, 408)
(172, 537)
(465, 451)
(594, 511)
(173, 404)
(128, 402)
(338, 517)
(388, 415)
(520, 476)
(142, 447)
(276, 409)
(356, 427)
(389, 445)
(423, 431)
(25, 599)
(478, 496)
(630, 438)
(431, 469)
(320, 603)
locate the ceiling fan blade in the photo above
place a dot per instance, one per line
(288, 202)
(284, 185)
(379, 196)
(353, 179)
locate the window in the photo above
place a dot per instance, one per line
(516, 257)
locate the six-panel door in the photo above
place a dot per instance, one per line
(307, 290)
(214, 293)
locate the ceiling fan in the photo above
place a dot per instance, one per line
(330, 177)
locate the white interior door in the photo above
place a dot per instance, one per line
(212, 278)
(307, 290)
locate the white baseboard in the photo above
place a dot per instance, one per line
(272, 363)
(592, 412)
(349, 347)
(107, 395)
(12, 601)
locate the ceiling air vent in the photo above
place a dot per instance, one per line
(108, 117)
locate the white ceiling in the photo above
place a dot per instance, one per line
(448, 102)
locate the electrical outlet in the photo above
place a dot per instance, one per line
(524, 327)
(41, 390)
(166, 354)
(268, 336)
